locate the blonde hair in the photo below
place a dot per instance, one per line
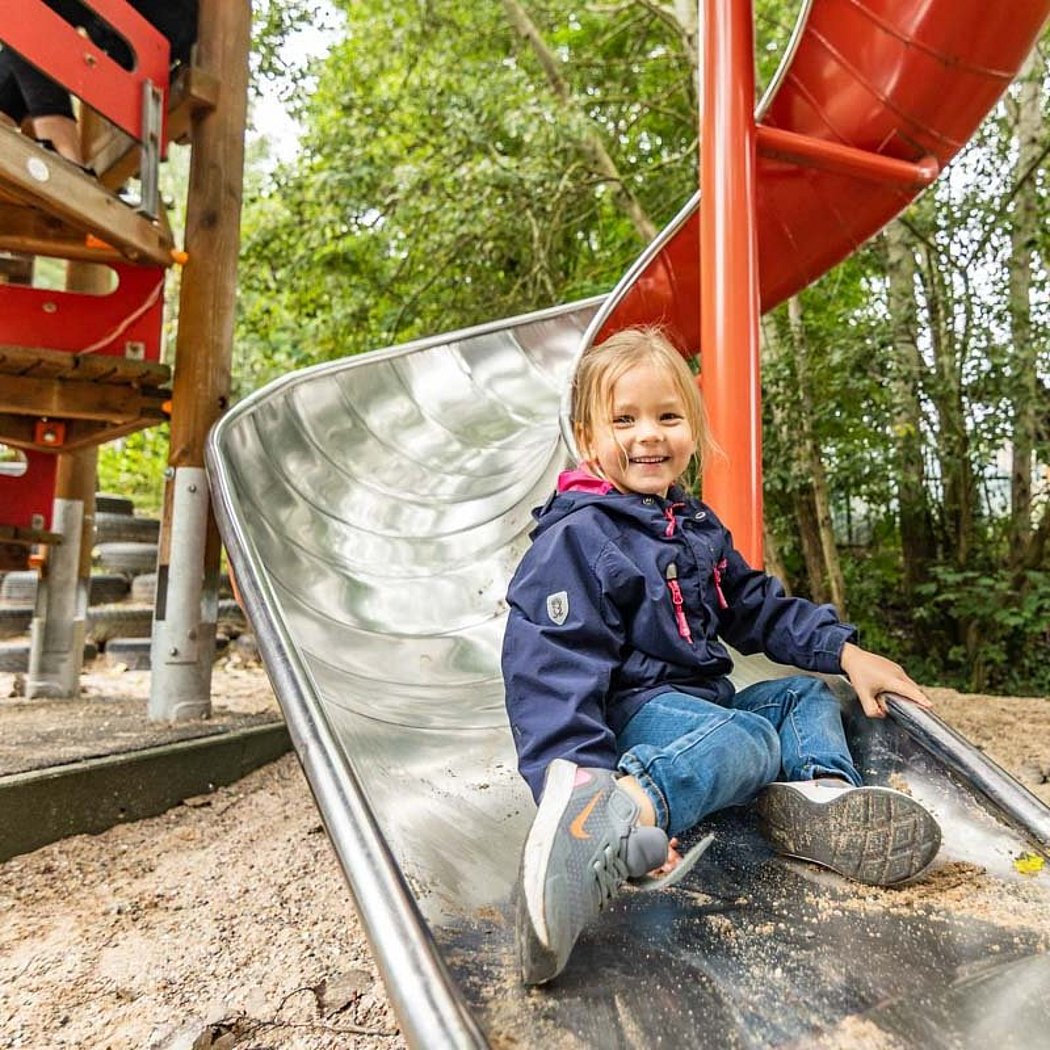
(604, 364)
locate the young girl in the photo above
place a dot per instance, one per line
(627, 729)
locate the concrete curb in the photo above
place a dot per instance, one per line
(87, 797)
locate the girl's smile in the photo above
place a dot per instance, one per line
(648, 442)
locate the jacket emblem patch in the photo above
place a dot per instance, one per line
(558, 607)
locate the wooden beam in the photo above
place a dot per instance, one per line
(28, 231)
(115, 155)
(27, 537)
(73, 399)
(58, 188)
(98, 368)
(19, 431)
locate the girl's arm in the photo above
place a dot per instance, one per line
(560, 650)
(871, 675)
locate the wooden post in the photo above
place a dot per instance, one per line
(187, 573)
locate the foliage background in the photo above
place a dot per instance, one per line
(448, 176)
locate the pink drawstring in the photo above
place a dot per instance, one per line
(671, 520)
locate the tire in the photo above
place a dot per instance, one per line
(105, 503)
(230, 619)
(107, 587)
(132, 558)
(19, 588)
(14, 656)
(119, 621)
(125, 528)
(144, 588)
(133, 653)
(15, 620)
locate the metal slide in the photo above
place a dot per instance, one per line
(374, 509)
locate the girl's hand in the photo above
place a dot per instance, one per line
(871, 675)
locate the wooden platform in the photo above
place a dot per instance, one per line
(95, 398)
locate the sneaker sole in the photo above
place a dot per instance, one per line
(875, 835)
(539, 961)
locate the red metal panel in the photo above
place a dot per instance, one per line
(55, 47)
(76, 321)
(30, 496)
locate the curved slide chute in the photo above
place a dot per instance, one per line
(374, 509)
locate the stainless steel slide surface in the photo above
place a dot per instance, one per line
(374, 510)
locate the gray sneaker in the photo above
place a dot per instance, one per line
(583, 844)
(872, 834)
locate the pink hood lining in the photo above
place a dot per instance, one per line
(582, 480)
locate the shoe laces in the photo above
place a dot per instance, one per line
(610, 872)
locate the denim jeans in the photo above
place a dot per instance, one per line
(694, 757)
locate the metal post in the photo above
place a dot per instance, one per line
(187, 571)
(729, 290)
(56, 648)
(184, 620)
(56, 645)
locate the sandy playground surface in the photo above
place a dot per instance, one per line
(226, 921)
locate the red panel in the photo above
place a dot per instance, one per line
(31, 494)
(76, 321)
(54, 46)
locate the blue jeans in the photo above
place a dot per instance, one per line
(694, 757)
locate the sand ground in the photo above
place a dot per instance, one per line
(226, 920)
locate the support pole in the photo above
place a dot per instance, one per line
(729, 291)
(56, 649)
(183, 645)
(56, 644)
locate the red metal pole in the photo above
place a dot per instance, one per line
(729, 293)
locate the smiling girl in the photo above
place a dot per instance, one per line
(627, 727)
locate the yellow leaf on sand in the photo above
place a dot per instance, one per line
(1029, 863)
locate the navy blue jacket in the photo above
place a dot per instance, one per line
(622, 597)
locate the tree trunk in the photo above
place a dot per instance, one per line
(953, 440)
(591, 142)
(906, 375)
(812, 464)
(1024, 237)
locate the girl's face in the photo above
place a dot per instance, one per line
(648, 442)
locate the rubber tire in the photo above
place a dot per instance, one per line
(14, 656)
(144, 588)
(125, 528)
(107, 587)
(230, 619)
(132, 558)
(15, 620)
(133, 653)
(106, 503)
(19, 588)
(119, 621)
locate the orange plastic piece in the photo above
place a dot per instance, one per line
(49, 432)
(180, 258)
(97, 244)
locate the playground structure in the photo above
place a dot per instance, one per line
(82, 366)
(375, 508)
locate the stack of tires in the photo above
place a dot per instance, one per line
(120, 598)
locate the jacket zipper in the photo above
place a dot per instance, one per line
(678, 602)
(718, 570)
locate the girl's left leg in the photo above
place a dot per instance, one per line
(808, 719)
